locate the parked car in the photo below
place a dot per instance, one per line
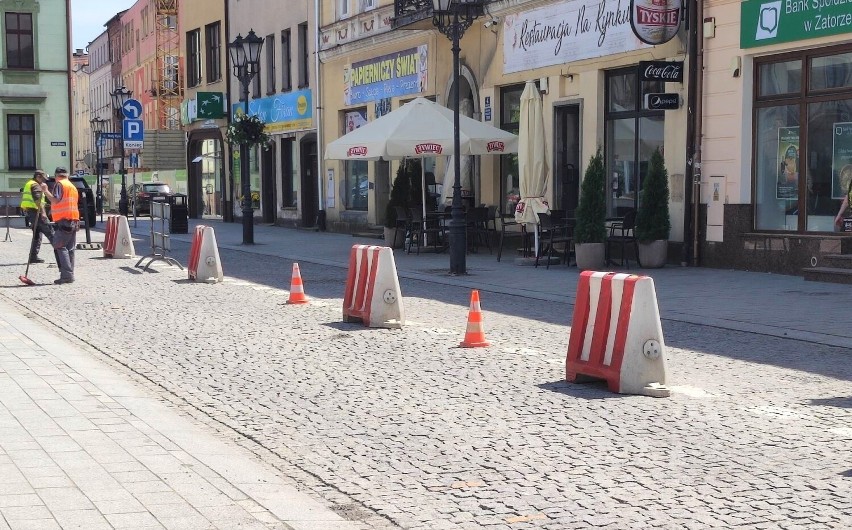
(142, 195)
(89, 217)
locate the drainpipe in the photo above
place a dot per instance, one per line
(71, 143)
(692, 179)
(228, 214)
(319, 116)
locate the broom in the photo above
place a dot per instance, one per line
(36, 234)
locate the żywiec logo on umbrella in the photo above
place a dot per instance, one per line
(358, 150)
(428, 148)
(655, 21)
(495, 146)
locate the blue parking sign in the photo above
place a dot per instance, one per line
(133, 133)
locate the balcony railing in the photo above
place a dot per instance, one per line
(409, 12)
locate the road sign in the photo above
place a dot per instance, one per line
(132, 109)
(134, 159)
(133, 133)
(110, 136)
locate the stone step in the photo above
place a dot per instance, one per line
(838, 261)
(828, 274)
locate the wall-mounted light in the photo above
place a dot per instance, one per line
(736, 66)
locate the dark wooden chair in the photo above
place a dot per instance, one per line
(622, 234)
(425, 231)
(555, 231)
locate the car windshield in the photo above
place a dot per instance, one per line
(155, 188)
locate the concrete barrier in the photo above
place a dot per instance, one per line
(204, 263)
(616, 334)
(372, 288)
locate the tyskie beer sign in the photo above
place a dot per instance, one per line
(655, 21)
(666, 71)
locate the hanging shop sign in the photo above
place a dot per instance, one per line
(769, 22)
(564, 32)
(655, 21)
(666, 71)
(662, 101)
(210, 105)
(292, 111)
(395, 74)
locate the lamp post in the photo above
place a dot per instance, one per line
(245, 60)
(452, 18)
(97, 125)
(119, 97)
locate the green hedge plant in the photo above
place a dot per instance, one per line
(652, 221)
(403, 193)
(591, 211)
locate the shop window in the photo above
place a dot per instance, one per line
(20, 135)
(355, 181)
(288, 175)
(19, 40)
(802, 139)
(510, 117)
(632, 135)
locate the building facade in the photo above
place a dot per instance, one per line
(35, 93)
(284, 178)
(777, 150)
(582, 55)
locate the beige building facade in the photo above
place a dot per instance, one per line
(284, 178)
(777, 149)
(586, 71)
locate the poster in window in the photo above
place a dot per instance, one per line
(787, 186)
(353, 120)
(841, 159)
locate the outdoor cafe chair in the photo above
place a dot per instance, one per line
(554, 231)
(622, 233)
(425, 231)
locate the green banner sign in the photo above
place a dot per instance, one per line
(765, 22)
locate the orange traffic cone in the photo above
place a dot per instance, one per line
(475, 335)
(297, 291)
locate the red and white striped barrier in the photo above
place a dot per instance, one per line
(117, 241)
(204, 263)
(616, 334)
(372, 288)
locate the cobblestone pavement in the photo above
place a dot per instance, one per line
(402, 428)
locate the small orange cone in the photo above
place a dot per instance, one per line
(475, 335)
(297, 291)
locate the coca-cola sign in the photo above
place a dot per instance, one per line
(655, 21)
(667, 71)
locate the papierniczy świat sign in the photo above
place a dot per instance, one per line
(766, 22)
(655, 21)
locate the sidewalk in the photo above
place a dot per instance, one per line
(755, 302)
(82, 445)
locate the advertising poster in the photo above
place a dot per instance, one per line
(841, 160)
(787, 186)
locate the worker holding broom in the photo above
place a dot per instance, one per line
(66, 215)
(32, 204)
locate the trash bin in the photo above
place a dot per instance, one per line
(179, 221)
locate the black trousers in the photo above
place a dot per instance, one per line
(43, 228)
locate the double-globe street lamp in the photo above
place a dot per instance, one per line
(119, 97)
(97, 125)
(245, 60)
(452, 18)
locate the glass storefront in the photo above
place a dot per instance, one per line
(632, 135)
(803, 126)
(510, 117)
(355, 181)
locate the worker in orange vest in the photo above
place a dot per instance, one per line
(66, 216)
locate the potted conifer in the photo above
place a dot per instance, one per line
(590, 230)
(400, 196)
(652, 221)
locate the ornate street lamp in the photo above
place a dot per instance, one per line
(97, 125)
(245, 60)
(119, 97)
(452, 18)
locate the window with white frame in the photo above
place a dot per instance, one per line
(367, 5)
(343, 8)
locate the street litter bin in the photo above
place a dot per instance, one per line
(179, 221)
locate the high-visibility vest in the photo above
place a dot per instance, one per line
(27, 200)
(66, 208)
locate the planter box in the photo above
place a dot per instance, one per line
(653, 254)
(590, 256)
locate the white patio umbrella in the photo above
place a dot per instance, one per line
(420, 129)
(532, 160)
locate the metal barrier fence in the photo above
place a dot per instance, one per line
(9, 202)
(161, 214)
